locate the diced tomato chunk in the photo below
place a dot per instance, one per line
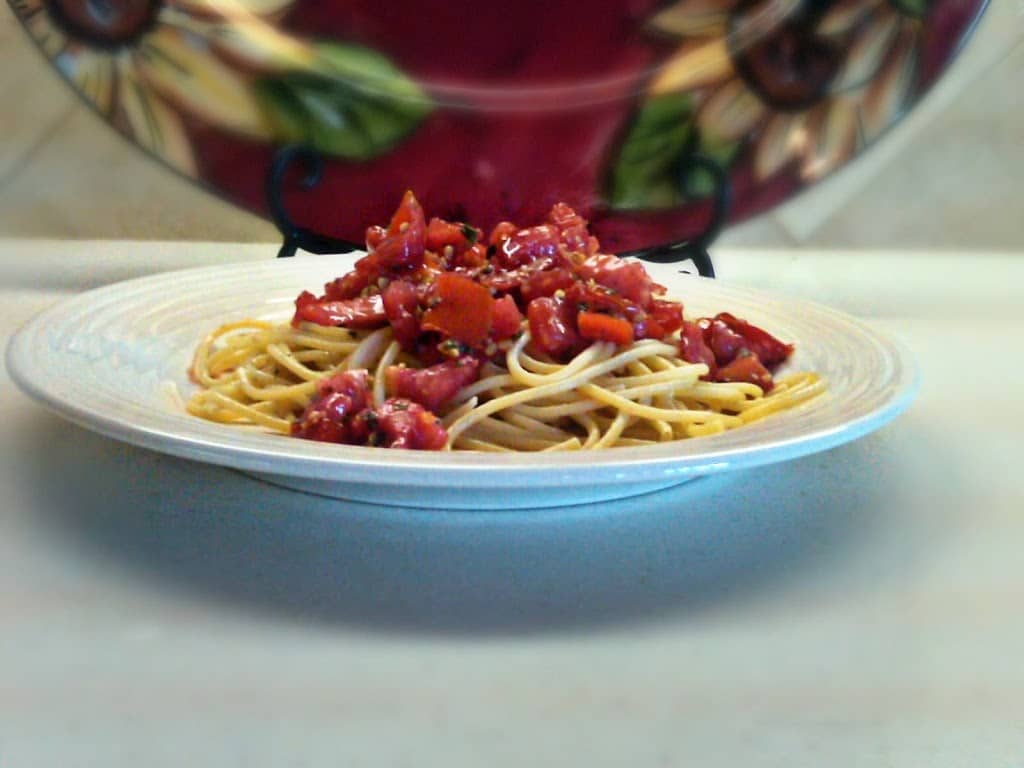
(645, 326)
(746, 368)
(724, 342)
(627, 278)
(507, 318)
(545, 283)
(667, 314)
(348, 286)
(500, 281)
(553, 327)
(572, 227)
(363, 312)
(595, 326)
(374, 235)
(401, 301)
(441, 233)
(693, 348)
(769, 350)
(525, 246)
(502, 231)
(432, 387)
(404, 243)
(400, 423)
(598, 298)
(473, 257)
(564, 217)
(461, 237)
(329, 414)
(464, 309)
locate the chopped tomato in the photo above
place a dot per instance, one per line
(401, 301)
(374, 235)
(627, 278)
(404, 243)
(348, 286)
(746, 368)
(471, 258)
(441, 233)
(724, 342)
(507, 318)
(432, 387)
(564, 217)
(499, 281)
(589, 297)
(545, 283)
(501, 232)
(525, 246)
(464, 309)
(769, 350)
(400, 423)
(338, 399)
(363, 312)
(694, 349)
(553, 327)
(572, 227)
(645, 326)
(597, 327)
(667, 314)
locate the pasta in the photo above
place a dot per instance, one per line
(419, 358)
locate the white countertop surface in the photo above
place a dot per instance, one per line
(861, 607)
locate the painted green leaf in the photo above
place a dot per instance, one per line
(914, 8)
(699, 183)
(644, 175)
(354, 104)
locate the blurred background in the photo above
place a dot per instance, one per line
(948, 177)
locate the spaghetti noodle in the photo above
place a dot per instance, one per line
(535, 342)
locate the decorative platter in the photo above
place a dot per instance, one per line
(496, 110)
(115, 360)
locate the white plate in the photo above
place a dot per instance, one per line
(115, 360)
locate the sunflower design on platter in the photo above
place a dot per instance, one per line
(151, 68)
(801, 84)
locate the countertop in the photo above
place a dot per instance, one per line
(859, 607)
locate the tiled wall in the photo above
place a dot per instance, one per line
(950, 176)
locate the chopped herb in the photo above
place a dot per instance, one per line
(452, 348)
(470, 234)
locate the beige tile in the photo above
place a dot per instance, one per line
(956, 185)
(87, 182)
(64, 173)
(34, 98)
(1000, 29)
(760, 232)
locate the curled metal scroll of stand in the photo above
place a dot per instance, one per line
(296, 237)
